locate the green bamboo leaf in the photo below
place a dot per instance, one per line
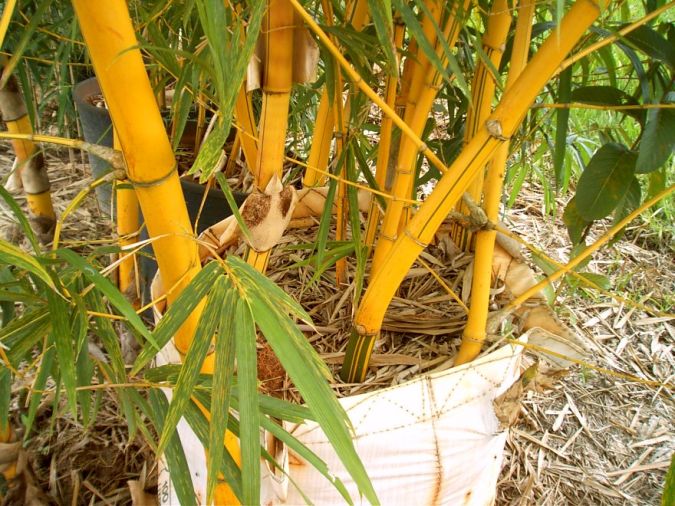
(115, 297)
(380, 12)
(305, 368)
(175, 457)
(249, 416)
(658, 140)
(303, 452)
(241, 269)
(576, 225)
(222, 383)
(181, 105)
(22, 334)
(5, 398)
(12, 255)
(652, 43)
(43, 373)
(562, 122)
(605, 53)
(230, 59)
(187, 378)
(324, 223)
(608, 95)
(21, 218)
(61, 337)
(84, 371)
(605, 181)
(225, 188)
(355, 223)
(206, 162)
(178, 311)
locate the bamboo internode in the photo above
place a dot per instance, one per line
(421, 229)
(475, 330)
(150, 161)
(30, 168)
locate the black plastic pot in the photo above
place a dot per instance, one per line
(97, 128)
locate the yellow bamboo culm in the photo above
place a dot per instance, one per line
(421, 229)
(384, 146)
(277, 35)
(319, 152)
(475, 330)
(324, 125)
(30, 167)
(408, 149)
(483, 91)
(420, 65)
(127, 216)
(243, 112)
(150, 163)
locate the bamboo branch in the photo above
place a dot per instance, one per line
(613, 38)
(110, 155)
(580, 105)
(420, 231)
(589, 250)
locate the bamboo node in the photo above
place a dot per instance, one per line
(494, 128)
(362, 331)
(415, 239)
(154, 182)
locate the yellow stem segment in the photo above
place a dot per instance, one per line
(151, 166)
(5, 19)
(384, 146)
(127, 216)
(277, 35)
(325, 116)
(421, 229)
(408, 148)
(474, 332)
(30, 163)
(483, 92)
(150, 162)
(243, 111)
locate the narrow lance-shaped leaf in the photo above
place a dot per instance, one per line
(562, 121)
(175, 457)
(249, 417)
(12, 255)
(380, 11)
(60, 336)
(222, 383)
(187, 378)
(178, 311)
(115, 297)
(658, 140)
(652, 43)
(304, 367)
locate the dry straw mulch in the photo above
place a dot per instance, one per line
(591, 439)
